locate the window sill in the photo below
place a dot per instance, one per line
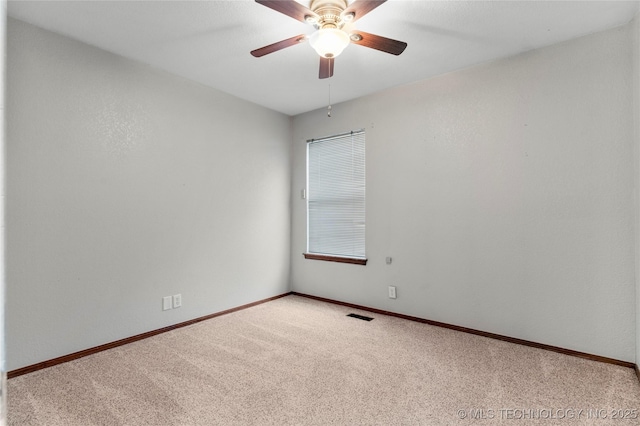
(352, 260)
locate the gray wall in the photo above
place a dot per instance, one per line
(504, 194)
(3, 369)
(126, 184)
(635, 34)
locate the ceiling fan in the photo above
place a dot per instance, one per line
(332, 19)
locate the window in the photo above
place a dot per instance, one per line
(336, 198)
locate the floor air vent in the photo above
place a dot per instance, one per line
(362, 317)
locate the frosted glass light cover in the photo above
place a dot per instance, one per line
(329, 42)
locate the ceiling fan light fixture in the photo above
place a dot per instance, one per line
(329, 42)
(348, 17)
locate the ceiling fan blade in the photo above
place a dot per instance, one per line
(279, 45)
(326, 67)
(377, 42)
(290, 8)
(359, 8)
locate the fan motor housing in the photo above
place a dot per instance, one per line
(329, 12)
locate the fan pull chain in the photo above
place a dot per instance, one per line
(329, 107)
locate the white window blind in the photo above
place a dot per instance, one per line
(336, 195)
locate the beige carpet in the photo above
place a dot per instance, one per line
(296, 361)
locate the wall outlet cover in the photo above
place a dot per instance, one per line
(166, 303)
(392, 292)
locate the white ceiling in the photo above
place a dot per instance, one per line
(209, 41)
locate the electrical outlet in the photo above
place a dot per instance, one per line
(392, 292)
(177, 300)
(166, 303)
